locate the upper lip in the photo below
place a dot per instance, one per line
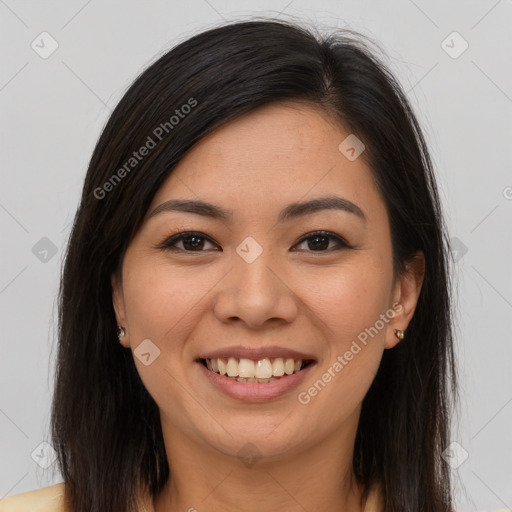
(241, 352)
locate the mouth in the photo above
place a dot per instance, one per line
(254, 374)
(260, 371)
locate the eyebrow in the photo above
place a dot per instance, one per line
(292, 211)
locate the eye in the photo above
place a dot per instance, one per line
(319, 241)
(192, 241)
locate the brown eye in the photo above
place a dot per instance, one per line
(319, 241)
(191, 241)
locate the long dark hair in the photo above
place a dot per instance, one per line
(105, 425)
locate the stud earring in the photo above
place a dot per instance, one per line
(121, 332)
(399, 334)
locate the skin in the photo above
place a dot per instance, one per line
(313, 300)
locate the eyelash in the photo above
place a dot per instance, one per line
(169, 243)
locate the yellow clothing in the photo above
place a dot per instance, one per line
(50, 499)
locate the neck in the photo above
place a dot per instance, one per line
(313, 476)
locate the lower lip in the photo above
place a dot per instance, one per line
(253, 391)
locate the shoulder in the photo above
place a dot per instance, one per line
(46, 499)
(375, 500)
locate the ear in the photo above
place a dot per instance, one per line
(406, 292)
(118, 302)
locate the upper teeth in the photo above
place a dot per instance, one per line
(261, 369)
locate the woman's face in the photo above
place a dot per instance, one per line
(250, 286)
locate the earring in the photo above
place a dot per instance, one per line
(121, 332)
(399, 334)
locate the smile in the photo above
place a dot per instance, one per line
(261, 371)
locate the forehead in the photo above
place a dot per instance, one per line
(276, 154)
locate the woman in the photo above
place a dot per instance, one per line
(255, 308)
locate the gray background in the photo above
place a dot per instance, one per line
(53, 109)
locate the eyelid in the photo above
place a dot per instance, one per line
(167, 244)
(327, 234)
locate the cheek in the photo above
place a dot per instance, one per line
(349, 303)
(162, 304)
(349, 299)
(161, 299)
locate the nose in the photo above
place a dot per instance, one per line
(256, 293)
